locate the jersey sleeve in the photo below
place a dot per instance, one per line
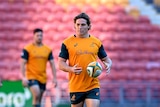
(101, 52)
(50, 57)
(64, 52)
(25, 54)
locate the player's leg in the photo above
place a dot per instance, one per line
(35, 90)
(93, 98)
(77, 99)
(78, 105)
(41, 95)
(36, 95)
(92, 102)
(42, 89)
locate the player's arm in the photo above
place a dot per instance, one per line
(24, 58)
(63, 56)
(62, 62)
(22, 67)
(105, 59)
(65, 67)
(53, 68)
(107, 63)
(52, 64)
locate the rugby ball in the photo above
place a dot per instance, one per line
(94, 69)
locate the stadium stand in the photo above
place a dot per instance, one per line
(156, 5)
(148, 9)
(129, 36)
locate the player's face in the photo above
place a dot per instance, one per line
(38, 36)
(81, 27)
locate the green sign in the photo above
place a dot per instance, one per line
(13, 94)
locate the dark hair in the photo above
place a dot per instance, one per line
(37, 30)
(84, 16)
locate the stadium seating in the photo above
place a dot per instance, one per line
(135, 93)
(123, 3)
(156, 5)
(133, 11)
(108, 3)
(110, 92)
(149, 1)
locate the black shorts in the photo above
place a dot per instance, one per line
(77, 97)
(36, 82)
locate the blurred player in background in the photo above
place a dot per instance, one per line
(81, 49)
(33, 66)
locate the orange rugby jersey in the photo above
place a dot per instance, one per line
(37, 58)
(82, 51)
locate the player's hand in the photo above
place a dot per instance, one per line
(0, 83)
(75, 69)
(55, 82)
(24, 82)
(107, 66)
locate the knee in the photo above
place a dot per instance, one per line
(36, 97)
